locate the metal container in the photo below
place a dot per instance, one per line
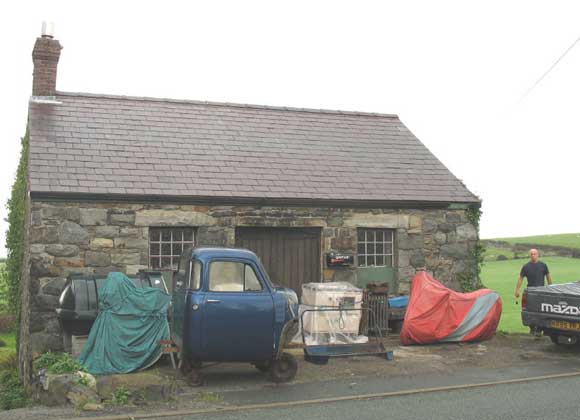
(332, 295)
(78, 305)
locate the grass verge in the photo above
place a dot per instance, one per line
(502, 276)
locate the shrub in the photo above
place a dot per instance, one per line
(2, 343)
(15, 240)
(12, 394)
(58, 363)
(8, 361)
(501, 258)
(4, 290)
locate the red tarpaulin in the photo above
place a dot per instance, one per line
(437, 313)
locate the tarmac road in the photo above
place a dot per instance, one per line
(546, 399)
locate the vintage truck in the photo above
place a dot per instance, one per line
(226, 309)
(554, 311)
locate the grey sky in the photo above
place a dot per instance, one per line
(452, 70)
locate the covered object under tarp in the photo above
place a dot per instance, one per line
(438, 314)
(131, 321)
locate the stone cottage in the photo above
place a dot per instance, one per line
(126, 183)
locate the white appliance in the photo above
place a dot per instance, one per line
(341, 296)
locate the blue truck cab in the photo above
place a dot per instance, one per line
(226, 309)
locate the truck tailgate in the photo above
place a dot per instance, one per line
(558, 299)
(553, 308)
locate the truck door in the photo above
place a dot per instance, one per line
(238, 317)
(186, 320)
(178, 300)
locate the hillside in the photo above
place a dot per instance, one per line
(568, 240)
(559, 245)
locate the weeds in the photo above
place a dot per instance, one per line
(8, 361)
(83, 381)
(121, 395)
(12, 394)
(209, 397)
(58, 363)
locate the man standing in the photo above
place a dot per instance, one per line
(535, 271)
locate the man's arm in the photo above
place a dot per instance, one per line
(549, 278)
(519, 286)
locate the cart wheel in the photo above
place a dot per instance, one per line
(262, 365)
(316, 360)
(284, 368)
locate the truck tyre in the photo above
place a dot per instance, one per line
(284, 368)
(262, 365)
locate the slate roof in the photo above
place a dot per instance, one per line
(129, 146)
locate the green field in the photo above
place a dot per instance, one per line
(568, 240)
(503, 275)
(491, 254)
(10, 340)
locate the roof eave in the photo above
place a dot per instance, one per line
(281, 201)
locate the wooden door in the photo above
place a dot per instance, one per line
(291, 256)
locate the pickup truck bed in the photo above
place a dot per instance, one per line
(554, 310)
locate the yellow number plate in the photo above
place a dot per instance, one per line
(565, 325)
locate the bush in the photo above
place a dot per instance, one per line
(501, 258)
(2, 343)
(8, 361)
(12, 394)
(7, 323)
(58, 363)
(4, 290)
(15, 240)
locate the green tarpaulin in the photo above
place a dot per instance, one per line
(131, 321)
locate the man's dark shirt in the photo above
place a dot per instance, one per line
(535, 273)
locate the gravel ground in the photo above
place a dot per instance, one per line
(502, 351)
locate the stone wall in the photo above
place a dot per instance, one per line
(101, 237)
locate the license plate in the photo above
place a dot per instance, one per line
(565, 325)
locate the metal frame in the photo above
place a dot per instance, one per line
(375, 349)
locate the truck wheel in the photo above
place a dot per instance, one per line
(262, 365)
(284, 368)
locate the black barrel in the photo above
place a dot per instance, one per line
(78, 305)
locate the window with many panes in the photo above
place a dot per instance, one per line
(375, 247)
(166, 245)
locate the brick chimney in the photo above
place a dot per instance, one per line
(45, 57)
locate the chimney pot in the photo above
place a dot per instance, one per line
(45, 57)
(47, 30)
